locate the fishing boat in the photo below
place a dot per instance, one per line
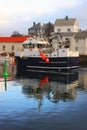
(43, 55)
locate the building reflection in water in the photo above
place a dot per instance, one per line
(53, 87)
(82, 80)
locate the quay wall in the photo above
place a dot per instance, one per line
(83, 60)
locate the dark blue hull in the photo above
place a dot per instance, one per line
(56, 63)
(66, 78)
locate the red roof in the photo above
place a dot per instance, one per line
(13, 39)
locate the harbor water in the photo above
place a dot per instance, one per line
(43, 101)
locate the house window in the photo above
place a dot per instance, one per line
(12, 48)
(76, 48)
(76, 40)
(68, 30)
(67, 39)
(3, 47)
(59, 30)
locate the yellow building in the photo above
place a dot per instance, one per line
(11, 44)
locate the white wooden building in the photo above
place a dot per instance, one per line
(66, 25)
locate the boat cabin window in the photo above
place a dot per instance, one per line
(31, 45)
(43, 45)
(40, 45)
(26, 46)
(48, 45)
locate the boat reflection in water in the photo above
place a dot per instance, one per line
(52, 87)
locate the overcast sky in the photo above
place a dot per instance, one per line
(19, 15)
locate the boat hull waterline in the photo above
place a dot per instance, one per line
(57, 63)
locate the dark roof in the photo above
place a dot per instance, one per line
(65, 22)
(38, 25)
(81, 35)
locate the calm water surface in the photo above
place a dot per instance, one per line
(37, 101)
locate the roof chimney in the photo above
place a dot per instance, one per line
(66, 18)
(33, 23)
